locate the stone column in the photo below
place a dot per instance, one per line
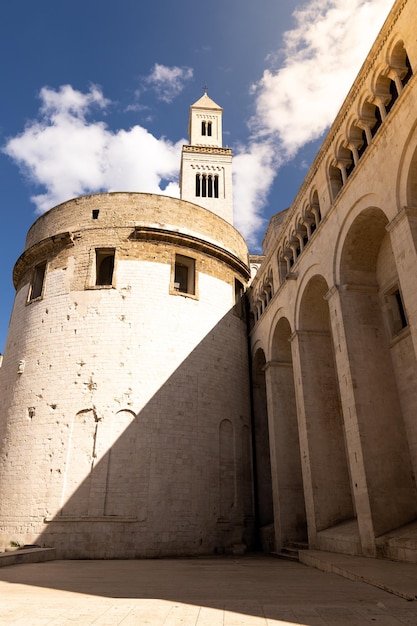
(306, 466)
(325, 470)
(287, 484)
(403, 235)
(384, 491)
(352, 434)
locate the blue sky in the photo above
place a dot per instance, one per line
(95, 96)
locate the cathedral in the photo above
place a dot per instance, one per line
(164, 393)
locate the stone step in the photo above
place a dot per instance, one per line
(26, 555)
(298, 545)
(391, 576)
(288, 553)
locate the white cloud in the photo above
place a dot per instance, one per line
(253, 174)
(322, 56)
(297, 101)
(67, 100)
(71, 156)
(168, 82)
(68, 153)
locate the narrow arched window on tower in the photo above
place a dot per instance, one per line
(209, 129)
(210, 186)
(216, 186)
(203, 128)
(207, 186)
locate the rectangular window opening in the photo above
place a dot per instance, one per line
(184, 274)
(38, 281)
(396, 311)
(239, 300)
(95, 214)
(400, 311)
(104, 267)
(239, 291)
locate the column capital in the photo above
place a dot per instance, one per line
(332, 291)
(358, 287)
(406, 212)
(274, 364)
(308, 333)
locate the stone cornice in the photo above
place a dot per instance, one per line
(207, 150)
(146, 233)
(345, 109)
(406, 212)
(40, 251)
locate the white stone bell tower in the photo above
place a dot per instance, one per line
(206, 167)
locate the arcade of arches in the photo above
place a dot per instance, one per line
(335, 402)
(334, 338)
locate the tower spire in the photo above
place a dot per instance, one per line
(206, 167)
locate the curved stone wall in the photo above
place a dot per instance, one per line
(125, 406)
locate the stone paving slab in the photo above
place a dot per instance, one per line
(397, 578)
(244, 591)
(30, 555)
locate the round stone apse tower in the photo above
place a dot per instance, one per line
(125, 410)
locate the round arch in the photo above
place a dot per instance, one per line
(287, 479)
(308, 274)
(361, 246)
(280, 346)
(369, 202)
(379, 362)
(323, 445)
(407, 172)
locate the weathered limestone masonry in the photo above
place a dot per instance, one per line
(334, 335)
(125, 404)
(206, 166)
(125, 394)
(125, 418)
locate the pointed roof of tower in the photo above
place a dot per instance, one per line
(205, 102)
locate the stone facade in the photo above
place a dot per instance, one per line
(132, 423)
(118, 384)
(206, 166)
(334, 315)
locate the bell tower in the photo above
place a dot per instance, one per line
(206, 167)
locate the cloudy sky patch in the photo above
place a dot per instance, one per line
(69, 154)
(168, 82)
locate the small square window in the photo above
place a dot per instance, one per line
(239, 302)
(396, 311)
(38, 280)
(104, 267)
(184, 274)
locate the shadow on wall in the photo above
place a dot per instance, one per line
(260, 587)
(175, 479)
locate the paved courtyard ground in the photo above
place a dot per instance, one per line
(247, 591)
